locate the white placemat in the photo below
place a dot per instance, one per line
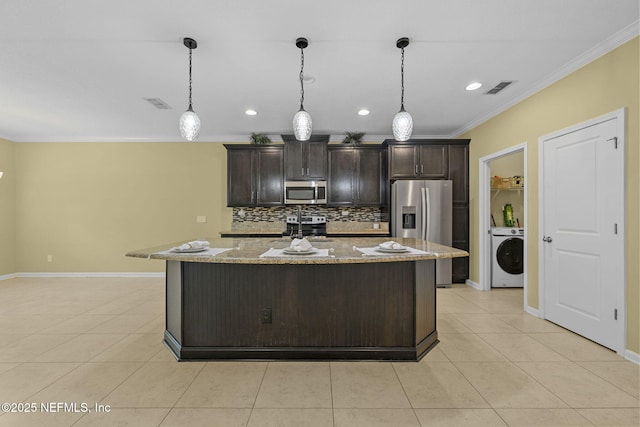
(374, 252)
(273, 253)
(208, 252)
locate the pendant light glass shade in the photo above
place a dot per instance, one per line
(189, 121)
(402, 124)
(302, 123)
(189, 125)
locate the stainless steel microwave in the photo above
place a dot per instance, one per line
(305, 192)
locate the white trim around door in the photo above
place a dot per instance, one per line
(484, 215)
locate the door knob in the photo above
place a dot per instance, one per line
(547, 239)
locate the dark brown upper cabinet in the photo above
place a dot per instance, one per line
(418, 161)
(459, 172)
(439, 159)
(255, 175)
(357, 176)
(305, 160)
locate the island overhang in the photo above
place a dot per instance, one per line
(238, 305)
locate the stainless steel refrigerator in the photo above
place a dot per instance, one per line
(422, 209)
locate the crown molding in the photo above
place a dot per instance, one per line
(614, 41)
(207, 139)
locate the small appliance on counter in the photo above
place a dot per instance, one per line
(310, 226)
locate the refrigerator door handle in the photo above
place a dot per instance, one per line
(424, 219)
(428, 213)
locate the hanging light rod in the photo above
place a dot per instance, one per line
(302, 120)
(402, 124)
(189, 121)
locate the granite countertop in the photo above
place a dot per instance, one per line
(341, 251)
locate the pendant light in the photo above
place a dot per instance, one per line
(302, 119)
(402, 122)
(189, 121)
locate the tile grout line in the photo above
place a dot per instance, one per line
(333, 412)
(578, 362)
(204, 365)
(542, 385)
(413, 409)
(514, 361)
(474, 387)
(115, 387)
(255, 399)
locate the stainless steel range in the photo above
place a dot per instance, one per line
(308, 225)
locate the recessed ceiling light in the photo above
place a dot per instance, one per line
(251, 112)
(473, 86)
(363, 112)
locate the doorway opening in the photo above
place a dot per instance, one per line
(494, 194)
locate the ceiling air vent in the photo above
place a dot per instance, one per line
(158, 103)
(499, 87)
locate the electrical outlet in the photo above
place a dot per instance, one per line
(201, 219)
(265, 315)
(49, 258)
(345, 213)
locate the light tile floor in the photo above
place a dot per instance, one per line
(99, 341)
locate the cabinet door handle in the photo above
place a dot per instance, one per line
(421, 168)
(307, 171)
(302, 172)
(257, 192)
(416, 169)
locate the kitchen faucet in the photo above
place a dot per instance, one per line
(299, 235)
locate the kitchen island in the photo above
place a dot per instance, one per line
(240, 304)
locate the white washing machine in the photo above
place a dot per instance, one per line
(507, 254)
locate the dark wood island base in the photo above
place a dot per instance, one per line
(358, 311)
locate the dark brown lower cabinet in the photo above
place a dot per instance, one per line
(379, 311)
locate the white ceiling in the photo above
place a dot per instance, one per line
(78, 70)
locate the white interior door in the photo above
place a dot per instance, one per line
(583, 218)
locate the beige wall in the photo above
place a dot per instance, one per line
(607, 84)
(7, 208)
(509, 165)
(87, 204)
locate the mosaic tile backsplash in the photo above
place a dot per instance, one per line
(279, 214)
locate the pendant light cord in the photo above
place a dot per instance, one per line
(190, 107)
(301, 78)
(402, 80)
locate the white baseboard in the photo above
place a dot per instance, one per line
(533, 311)
(87, 274)
(473, 284)
(632, 357)
(8, 276)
